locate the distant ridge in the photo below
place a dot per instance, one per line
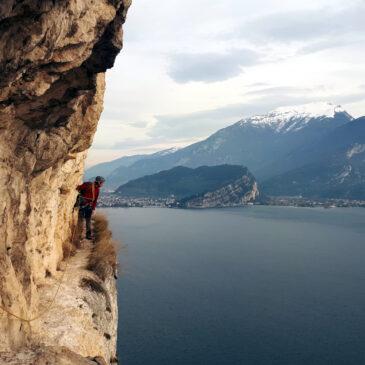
(224, 185)
(114, 168)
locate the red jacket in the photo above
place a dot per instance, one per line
(89, 193)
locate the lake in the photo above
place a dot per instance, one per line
(256, 285)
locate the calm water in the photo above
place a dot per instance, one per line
(260, 285)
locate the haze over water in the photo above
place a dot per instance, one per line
(258, 285)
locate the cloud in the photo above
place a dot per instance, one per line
(350, 98)
(258, 84)
(153, 143)
(121, 144)
(138, 124)
(279, 90)
(304, 25)
(338, 41)
(202, 124)
(210, 67)
(196, 52)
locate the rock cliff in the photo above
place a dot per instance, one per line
(53, 56)
(236, 194)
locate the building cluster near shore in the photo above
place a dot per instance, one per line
(115, 201)
(109, 200)
(299, 201)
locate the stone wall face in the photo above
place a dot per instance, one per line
(53, 55)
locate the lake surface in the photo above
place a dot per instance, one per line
(257, 285)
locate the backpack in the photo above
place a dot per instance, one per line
(81, 201)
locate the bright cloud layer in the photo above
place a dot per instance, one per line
(189, 68)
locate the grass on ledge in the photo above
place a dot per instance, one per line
(103, 258)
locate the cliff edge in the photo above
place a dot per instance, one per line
(53, 56)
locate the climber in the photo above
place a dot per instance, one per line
(87, 200)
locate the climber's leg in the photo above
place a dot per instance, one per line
(88, 214)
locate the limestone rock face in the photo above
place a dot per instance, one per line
(239, 193)
(53, 56)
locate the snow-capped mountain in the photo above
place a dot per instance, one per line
(295, 118)
(333, 168)
(261, 143)
(166, 152)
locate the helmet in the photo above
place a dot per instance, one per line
(99, 179)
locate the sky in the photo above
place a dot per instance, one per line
(191, 67)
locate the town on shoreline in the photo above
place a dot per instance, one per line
(110, 200)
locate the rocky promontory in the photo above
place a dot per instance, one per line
(238, 193)
(202, 187)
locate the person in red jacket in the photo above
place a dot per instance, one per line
(88, 198)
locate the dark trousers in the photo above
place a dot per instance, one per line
(86, 213)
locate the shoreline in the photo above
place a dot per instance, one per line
(280, 202)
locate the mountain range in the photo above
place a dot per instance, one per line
(334, 168)
(288, 145)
